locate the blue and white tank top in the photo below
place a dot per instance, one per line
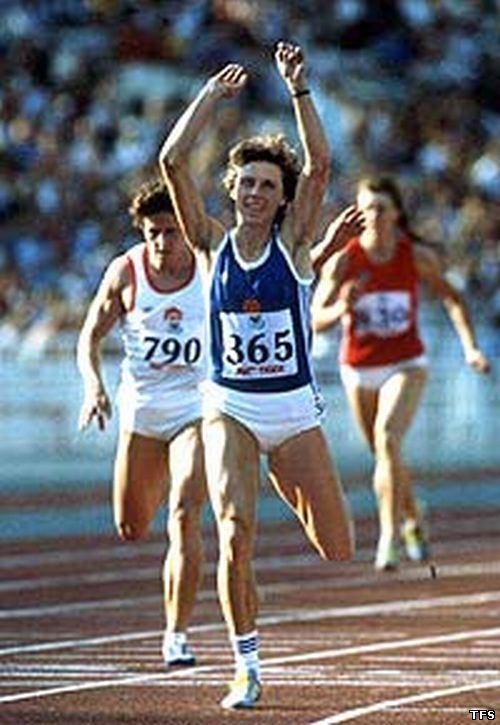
(163, 333)
(260, 321)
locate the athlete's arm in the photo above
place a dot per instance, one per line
(201, 231)
(430, 271)
(334, 296)
(301, 220)
(105, 309)
(348, 224)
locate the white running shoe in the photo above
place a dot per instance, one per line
(175, 654)
(244, 691)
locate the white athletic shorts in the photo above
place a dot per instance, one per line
(272, 418)
(161, 417)
(374, 376)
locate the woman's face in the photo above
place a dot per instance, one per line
(380, 212)
(258, 191)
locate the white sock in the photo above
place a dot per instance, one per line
(174, 638)
(246, 652)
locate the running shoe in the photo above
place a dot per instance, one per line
(387, 557)
(416, 544)
(177, 654)
(244, 691)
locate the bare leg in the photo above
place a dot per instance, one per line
(183, 564)
(303, 473)
(233, 480)
(398, 402)
(140, 483)
(364, 405)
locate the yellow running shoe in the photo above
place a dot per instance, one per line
(416, 544)
(244, 691)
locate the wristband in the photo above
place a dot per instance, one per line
(304, 92)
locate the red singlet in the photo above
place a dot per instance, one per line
(383, 327)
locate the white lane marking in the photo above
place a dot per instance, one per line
(384, 646)
(433, 709)
(112, 551)
(67, 675)
(304, 657)
(75, 607)
(398, 607)
(60, 667)
(260, 563)
(218, 679)
(106, 639)
(398, 702)
(71, 580)
(264, 564)
(268, 563)
(71, 643)
(451, 658)
(16, 561)
(284, 681)
(103, 684)
(393, 607)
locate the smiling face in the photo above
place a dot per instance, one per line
(380, 212)
(258, 192)
(163, 237)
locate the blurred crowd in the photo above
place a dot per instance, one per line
(91, 87)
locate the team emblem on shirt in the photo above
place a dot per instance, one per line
(173, 317)
(252, 306)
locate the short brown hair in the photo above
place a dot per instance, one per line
(152, 197)
(386, 185)
(273, 148)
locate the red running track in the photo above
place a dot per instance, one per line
(81, 623)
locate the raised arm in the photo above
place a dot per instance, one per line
(301, 219)
(348, 224)
(430, 271)
(334, 296)
(105, 309)
(200, 230)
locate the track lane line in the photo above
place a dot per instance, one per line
(361, 610)
(419, 572)
(272, 661)
(271, 563)
(111, 550)
(409, 699)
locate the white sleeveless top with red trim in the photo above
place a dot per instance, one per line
(163, 333)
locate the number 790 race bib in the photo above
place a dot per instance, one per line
(258, 345)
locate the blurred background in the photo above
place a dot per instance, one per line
(89, 90)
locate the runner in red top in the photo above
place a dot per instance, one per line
(371, 286)
(384, 328)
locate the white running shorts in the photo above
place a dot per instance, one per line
(373, 377)
(272, 418)
(161, 417)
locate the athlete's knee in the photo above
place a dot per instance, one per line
(184, 524)
(130, 531)
(236, 539)
(386, 441)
